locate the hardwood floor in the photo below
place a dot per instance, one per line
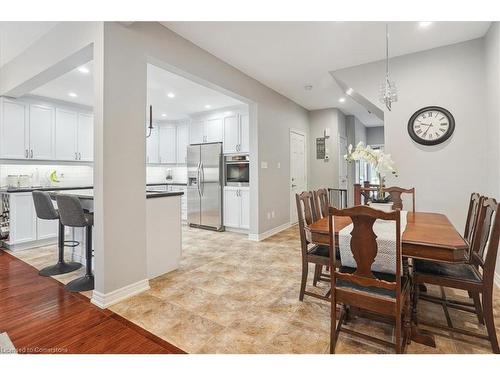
(40, 316)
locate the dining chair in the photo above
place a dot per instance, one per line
(476, 276)
(321, 202)
(472, 214)
(395, 193)
(376, 293)
(317, 254)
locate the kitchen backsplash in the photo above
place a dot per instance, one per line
(81, 175)
(68, 175)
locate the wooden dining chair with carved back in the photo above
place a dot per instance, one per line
(395, 192)
(316, 254)
(322, 203)
(476, 276)
(380, 294)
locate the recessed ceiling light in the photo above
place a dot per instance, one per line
(208, 106)
(163, 115)
(342, 100)
(424, 24)
(72, 94)
(171, 95)
(84, 70)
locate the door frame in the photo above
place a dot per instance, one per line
(293, 215)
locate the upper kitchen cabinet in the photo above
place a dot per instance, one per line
(168, 152)
(196, 132)
(42, 132)
(66, 134)
(236, 134)
(13, 130)
(85, 144)
(213, 130)
(182, 143)
(152, 146)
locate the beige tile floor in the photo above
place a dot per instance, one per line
(231, 295)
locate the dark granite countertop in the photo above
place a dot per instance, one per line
(89, 193)
(56, 188)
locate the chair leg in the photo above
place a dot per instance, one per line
(416, 290)
(477, 305)
(333, 323)
(305, 270)
(318, 269)
(489, 320)
(398, 333)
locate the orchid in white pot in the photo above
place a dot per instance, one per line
(381, 162)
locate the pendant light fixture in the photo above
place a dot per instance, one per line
(388, 90)
(150, 127)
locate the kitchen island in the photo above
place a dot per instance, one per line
(163, 229)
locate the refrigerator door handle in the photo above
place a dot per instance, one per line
(198, 175)
(203, 177)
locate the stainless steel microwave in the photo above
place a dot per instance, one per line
(237, 170)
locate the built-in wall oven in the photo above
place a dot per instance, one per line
(237, 170)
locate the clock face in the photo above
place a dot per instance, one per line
(431, 125)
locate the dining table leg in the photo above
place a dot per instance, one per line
(416, 334)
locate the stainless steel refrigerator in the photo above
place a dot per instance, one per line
(204, 188)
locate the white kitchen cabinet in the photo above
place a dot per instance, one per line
(41, 132)
(22, 218)
(66, 134)
(13, 130)
(196, 132)
(231, 134)
(85, 143)
(152, 146)
(168, 152)
(244, 133)
(236, 207)
(182, 143)
(213, 130)
(236, 135)
(46, 229)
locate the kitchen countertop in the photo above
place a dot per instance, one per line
(57, 188)
(89, 193)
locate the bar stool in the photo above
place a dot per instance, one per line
(45, 210)
(72, 215)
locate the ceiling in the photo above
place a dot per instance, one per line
(15, 37)
(287, 56)
(189, 97)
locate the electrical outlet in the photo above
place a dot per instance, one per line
(263, 165)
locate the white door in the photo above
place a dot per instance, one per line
(298, 177)
(196, 132)
(168, 152)
(182, 143)
(232, 207)
(13, 130)
(22, 218)
(231, 134)
(245, 208)
(42, 129)
(85, 137)
(244, 133)
(66, 134)
(343, 170)
(213, 130)
(152, 146)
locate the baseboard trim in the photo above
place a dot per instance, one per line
(269, 233)
(497, 280)
(29, 244)
(104, 300)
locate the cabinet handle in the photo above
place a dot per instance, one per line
(31, 153)
(79, 156)
(26, 155)
(76, 156)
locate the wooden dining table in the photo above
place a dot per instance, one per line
(429, 236)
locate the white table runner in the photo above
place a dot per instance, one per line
(385, 230)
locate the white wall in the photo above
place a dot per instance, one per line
(452, 77)
(492, 70)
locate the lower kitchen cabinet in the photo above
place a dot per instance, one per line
(237, 207)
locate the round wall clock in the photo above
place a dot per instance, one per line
(431, 125)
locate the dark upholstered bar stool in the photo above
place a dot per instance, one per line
(45, 210)
(72, 215)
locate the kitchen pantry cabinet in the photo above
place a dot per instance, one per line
(236, 137)
(24, 225)
(43, 132)
(237, 207)
(206, 131)
(168, 151)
